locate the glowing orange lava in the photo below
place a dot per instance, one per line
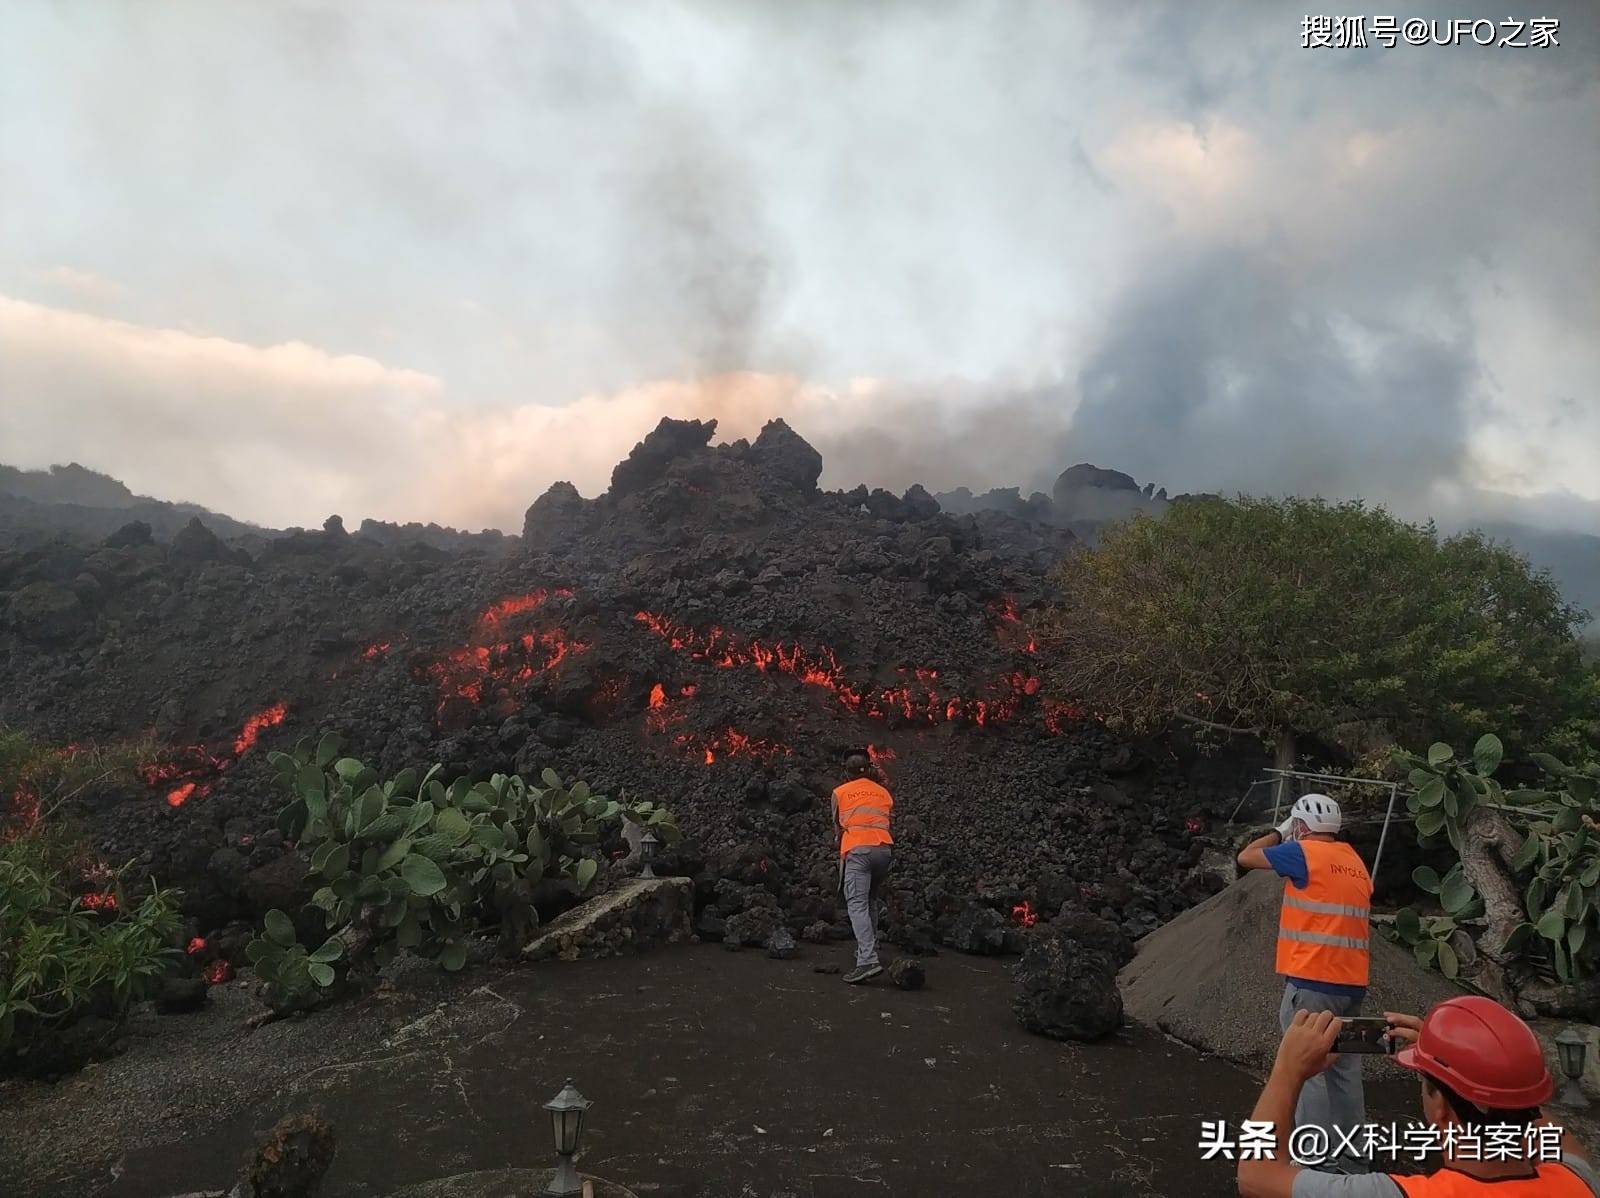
(493, 660)
(271, 717)
(1010, 627)
(197, 945)
(217, 972)
(730, 743)
(189, 771)
(101, 901)
(920, 698)
(179, 795)
(1023, 915)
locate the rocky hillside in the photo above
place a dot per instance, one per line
(714, 631)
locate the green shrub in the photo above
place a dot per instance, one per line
(36, 778)
(65, 953)
(412, 864)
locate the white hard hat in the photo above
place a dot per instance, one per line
(1319, 813)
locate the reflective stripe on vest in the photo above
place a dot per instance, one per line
(1322, 927)
(865, 813)
(1553, 1181)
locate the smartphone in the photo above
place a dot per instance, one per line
(1366, 1034)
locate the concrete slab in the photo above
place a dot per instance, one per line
(639, 914)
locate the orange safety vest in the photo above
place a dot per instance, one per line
(1322, 928)
(1553, 1181)
(864, 811)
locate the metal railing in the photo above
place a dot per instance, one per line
(1280, 778)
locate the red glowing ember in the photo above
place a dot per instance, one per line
(1010, 628)
(100, 901)
(921, 698)
(1023, 915)
(731, 743)
(880, 755)
(179, 795)
(374, 651)
(197, 945)
(25, 809)
(217, 972)
(1057, 715)
(1194, 825)
(189, 771)
(493, 660)
(271, 717)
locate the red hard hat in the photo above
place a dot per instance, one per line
(1483, 1052)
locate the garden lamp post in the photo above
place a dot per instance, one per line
(566, 1121)
(1572, 1047)
(647, 853)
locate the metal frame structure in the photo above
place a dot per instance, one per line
(1280, 778)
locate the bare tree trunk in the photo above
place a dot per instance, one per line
(1489, 844)
(1570, 1000)
(1283, 759)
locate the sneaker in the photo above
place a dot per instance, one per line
(863, 973)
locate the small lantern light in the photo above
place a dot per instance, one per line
(1572, 1047)
(647, 853)
(566, 1121)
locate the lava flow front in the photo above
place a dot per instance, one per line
(493, 660)
(190, 771)
(920, 698)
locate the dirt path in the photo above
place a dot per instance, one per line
(712, 1073)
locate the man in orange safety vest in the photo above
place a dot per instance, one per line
(1322, 945)
(863, 811)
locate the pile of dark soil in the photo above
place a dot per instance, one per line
(1207, 977)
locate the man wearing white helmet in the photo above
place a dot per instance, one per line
(1322, 943)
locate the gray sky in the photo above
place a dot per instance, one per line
(418, 260)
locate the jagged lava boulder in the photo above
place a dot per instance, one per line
(1067, 979)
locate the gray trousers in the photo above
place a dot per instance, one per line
(1333, 1098)
(863, 872)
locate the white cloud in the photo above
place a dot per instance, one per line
(80, 286)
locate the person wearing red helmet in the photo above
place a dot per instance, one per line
(1481, 1066)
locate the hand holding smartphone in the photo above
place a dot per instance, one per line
(1367, 1034)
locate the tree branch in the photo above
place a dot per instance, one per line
(1194, 719)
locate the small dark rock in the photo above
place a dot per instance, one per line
(825, 969)
(751, 927)
(179, 996)
(781, 944)
(978, 930)
(291, 1161)
(907, 973)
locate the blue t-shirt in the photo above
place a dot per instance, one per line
(1288, 860)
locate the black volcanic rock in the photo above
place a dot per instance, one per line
(1067, 979)
(197, 543)
(1085, 475)
(648, 460)
(551, 515)
(134, 532)
(784, 453)
(45, 612)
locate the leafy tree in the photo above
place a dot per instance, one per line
(1289, 617)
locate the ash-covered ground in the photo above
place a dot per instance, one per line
(714, 632)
